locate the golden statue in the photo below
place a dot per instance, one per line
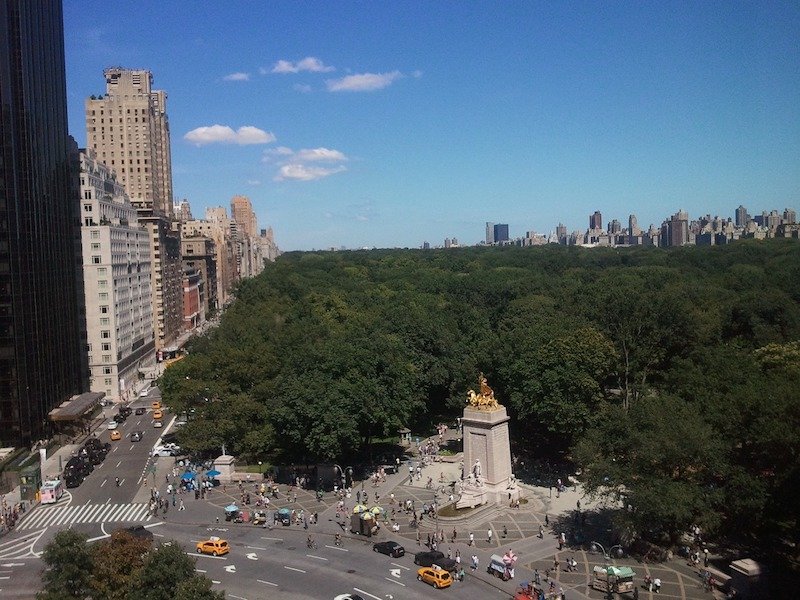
(484, 400)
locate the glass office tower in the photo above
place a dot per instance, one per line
(40, 347)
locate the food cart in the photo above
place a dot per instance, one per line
(611, 578)
(364, 524)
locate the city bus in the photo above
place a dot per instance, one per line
(51, 491)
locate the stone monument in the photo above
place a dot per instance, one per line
(486, 472)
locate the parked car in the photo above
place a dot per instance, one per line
(141, 410)
(165, 451)
(213, 546)
(389, 548)
(125, 411)
(438, 578)
(120, 418)
(136, 436)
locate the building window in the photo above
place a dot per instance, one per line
(106, 358)
(106, 347)
(105, 334)
(95, 246)
(95, 260)
(103, 320)
(106, 370)
(95, 235)
(103, 310)
(108, 382)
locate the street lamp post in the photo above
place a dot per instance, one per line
(607, 555)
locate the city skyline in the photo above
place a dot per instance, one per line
(386, 125)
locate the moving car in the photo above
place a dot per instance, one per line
(389, 548)
(136, 436)
(438, 578)
(120, 418)
(213, 546)
(125, 411)
(112, 425)
(141, 410)
(116, 436)
(155, 405)
(157, 414)
(429, 559)
(158, 424)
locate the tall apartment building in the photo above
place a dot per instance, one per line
(116, 274)
(596, 221)
(489, 233)
(128, 129)
(269, 249)
(40, 324)
(217, 228)
(242, 213)
(199, 255)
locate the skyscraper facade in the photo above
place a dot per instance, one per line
(116, 276)
(40, 323)
(489, 233)
(501, 232)
(128, 130)
(596, 221)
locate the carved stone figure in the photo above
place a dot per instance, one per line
(485, 399)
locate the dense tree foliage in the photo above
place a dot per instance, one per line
(122, 567)
(671, 377)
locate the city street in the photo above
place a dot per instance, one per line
(275, 562)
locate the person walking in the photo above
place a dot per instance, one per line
(419, 543)
(474, 562)
(182, 506)
(471, 539)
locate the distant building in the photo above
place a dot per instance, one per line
(489, 233)
(614, 227)
(675, 231)
(198, 254)
(741, 217)
(183, 211)
(789, 216)
(500, 233)
(561, 234)
(193, 299)
(242, 213)
(596, 221)
(633, 226)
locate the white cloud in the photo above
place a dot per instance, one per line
(237, 77)
(301, 172)
(306, 164)
(363, 82)
(222, 134)
(302, 87)
(309, 63)
(319, 155)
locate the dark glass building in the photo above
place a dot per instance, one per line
(40, 346)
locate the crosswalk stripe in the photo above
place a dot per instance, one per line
(85, 513)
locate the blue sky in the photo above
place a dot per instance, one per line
(392, 123)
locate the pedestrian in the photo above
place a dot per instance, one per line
(489, 535)
(657, 585)
(547, 520)
(455, 534)
(505, 531)
(419, 543)
(537, 578)
(428, 544)
(182, 506)
(541, 532)
(705, 557)
(474, 563)
(636, 593)
(471, 539)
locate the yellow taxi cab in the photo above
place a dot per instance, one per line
(157, 415)
(213, 546)
(116, 435)
(438, 578)
(155, 405)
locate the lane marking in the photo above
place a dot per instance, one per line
(267, 582)
(367, 594)
(237, 597)
(201, 570)
(401, 566)
(317, 557)
(273, 539)
(395, 581)
(104, 482)
(118, 464)
(299, 571)
(206, 556)
(255, 547)
(337, 548)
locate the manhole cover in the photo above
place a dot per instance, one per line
(350, 571)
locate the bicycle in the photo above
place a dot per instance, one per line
(311, 544)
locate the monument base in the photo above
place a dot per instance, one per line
(496, 494)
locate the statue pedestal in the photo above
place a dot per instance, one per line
(486, 444)
(226, 465)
